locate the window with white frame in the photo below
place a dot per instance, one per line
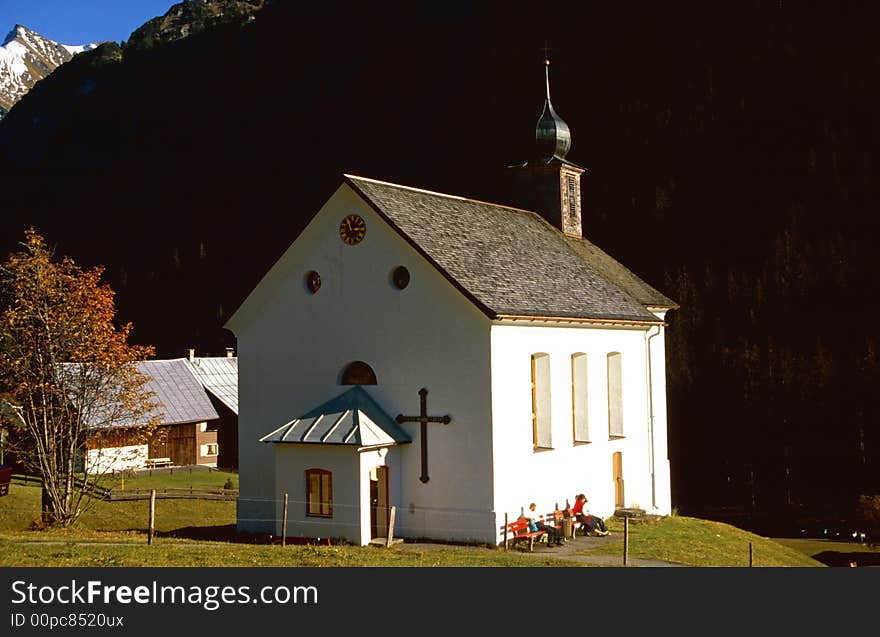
(580, 417)
(541, 436)
(209, 449)
(615, 395)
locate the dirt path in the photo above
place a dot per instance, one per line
(572, 548)
(570, 551)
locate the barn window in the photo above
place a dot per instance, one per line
(579, 402)
(358, 373)
(319, 493)
(541, 438)
(615, 396)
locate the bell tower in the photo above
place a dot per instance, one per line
(549, 184)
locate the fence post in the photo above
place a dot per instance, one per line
(505, 530)
(152, 516)
(625, 539)
(390, 527)
(284, 522)
(750, 554)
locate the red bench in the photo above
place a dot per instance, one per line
(518, 531)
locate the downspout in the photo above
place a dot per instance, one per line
(648, 337)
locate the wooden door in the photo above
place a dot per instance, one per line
(379, 503)
(374, 501)
(617, 464)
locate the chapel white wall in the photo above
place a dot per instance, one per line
(291, 462)
(293, 345)
(663, 483)
(523, 475)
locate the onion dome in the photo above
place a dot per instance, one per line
(552, 136)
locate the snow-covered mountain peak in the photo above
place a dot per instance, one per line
(26, 57)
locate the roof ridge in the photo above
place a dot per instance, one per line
(150, 361)
(447, 195)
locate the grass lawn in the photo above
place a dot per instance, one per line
(173, 478)
(202, 533)
(164, 553)
(700, 543)
(117, 520)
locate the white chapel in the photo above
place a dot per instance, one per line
(452, 359)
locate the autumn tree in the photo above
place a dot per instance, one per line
(67, 373)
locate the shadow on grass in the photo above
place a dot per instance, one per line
(228, 533)
(217, 533)
(836, 558)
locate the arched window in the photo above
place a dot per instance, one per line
(580, 421)
(541, 437)
(615, 395)
(319, 493)
(358, 373)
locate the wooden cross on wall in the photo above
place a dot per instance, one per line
(423, 418)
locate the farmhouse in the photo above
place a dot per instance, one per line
(187, 430)
(452, 359)
(219, 377)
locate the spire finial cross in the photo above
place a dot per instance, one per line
(546, 50)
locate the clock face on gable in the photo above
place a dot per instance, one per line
(352, 229)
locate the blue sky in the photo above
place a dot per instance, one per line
(80, 21)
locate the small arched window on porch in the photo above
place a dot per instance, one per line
(358, 373)
(319, 493)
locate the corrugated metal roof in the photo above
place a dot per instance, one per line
(181, 396)
(352, 418)
(177, 396)
(219, 376)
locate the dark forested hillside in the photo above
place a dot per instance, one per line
(730, 154)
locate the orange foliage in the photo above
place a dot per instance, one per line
(66, 368)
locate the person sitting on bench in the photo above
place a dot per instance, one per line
(589, 523)
(554, 537)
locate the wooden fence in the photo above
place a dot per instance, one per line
(102, 493)
(165, 493)
(170, 493)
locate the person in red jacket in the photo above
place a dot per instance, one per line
(589, 523)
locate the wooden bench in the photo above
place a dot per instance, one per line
(153, 463)
(558, 517)
(518, 531)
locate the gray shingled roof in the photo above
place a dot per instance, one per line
(617, 273)
(508, 261)
(219, 377)
(352, 418)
